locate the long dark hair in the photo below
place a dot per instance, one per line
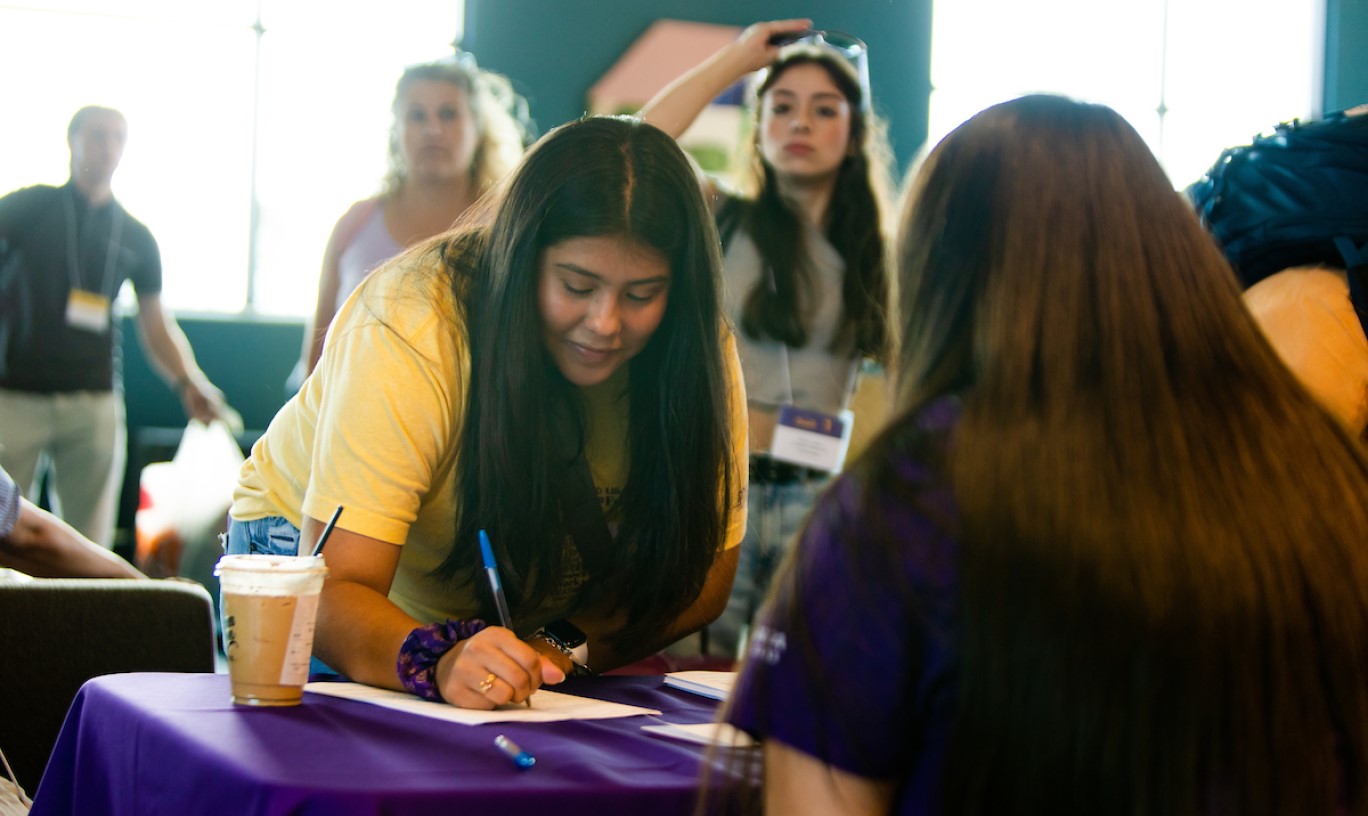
(1163, 535)
(595, 177)
(855, 227)
(1162, 560)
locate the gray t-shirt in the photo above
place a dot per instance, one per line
(813, 377)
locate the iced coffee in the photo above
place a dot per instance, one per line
(270, 603)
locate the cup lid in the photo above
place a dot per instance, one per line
(259, 562)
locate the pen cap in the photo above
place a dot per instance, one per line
(521, 758)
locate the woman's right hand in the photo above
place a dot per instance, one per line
(493, 668)
(754, 46)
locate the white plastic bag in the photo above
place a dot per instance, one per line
(184, 503)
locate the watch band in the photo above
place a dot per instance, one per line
(578, 656)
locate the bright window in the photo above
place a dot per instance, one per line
(1192, 76)
(297, 98)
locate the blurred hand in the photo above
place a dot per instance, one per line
(754, 42)
(202, 401)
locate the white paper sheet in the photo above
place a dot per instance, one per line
(715, 685)
(703, 734)
(547, 706)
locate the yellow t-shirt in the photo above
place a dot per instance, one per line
(376, 427)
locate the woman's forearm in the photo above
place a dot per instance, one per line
(359, 629)
(44, 546)
(359, 633)
(679, 103)
(676, 107)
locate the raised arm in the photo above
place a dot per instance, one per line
(679, 103)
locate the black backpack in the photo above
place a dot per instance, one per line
(1295, 197)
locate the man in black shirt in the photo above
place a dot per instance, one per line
(64, 254)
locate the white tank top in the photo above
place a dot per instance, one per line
(371, 246)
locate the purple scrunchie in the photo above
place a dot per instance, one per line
(422, 649)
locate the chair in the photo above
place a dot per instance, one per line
(57, 633)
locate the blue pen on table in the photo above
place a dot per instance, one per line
(520, 757)
(492, 570)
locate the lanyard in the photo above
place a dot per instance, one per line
(111, 251)
(852, 373)
(851, 376)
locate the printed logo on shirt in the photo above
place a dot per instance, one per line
(768, 645)
(608, 497)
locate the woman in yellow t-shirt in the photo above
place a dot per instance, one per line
(472, 381)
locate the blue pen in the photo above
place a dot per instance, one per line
(492, 570)
(520, 757)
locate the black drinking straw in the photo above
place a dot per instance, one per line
(327, 531)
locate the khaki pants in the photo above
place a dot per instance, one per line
(77, 437)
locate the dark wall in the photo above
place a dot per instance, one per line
(554, 50)
(1346, 60)
(248, 358)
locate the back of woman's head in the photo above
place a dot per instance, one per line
(1162, 534)
(499, 114)
(1043, 221)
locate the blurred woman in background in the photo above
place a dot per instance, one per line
(453, 136)
(804, 276)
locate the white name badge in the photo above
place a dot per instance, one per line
(811, 438)
(88, 311)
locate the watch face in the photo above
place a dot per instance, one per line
(566, 632)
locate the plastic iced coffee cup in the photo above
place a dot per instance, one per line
(270, 603)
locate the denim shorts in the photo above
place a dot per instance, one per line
(272, 535)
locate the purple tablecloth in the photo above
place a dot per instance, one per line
(143, 744)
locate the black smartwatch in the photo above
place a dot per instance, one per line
(564, 633)
(567, 637)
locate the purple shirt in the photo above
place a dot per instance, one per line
(866, 684)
